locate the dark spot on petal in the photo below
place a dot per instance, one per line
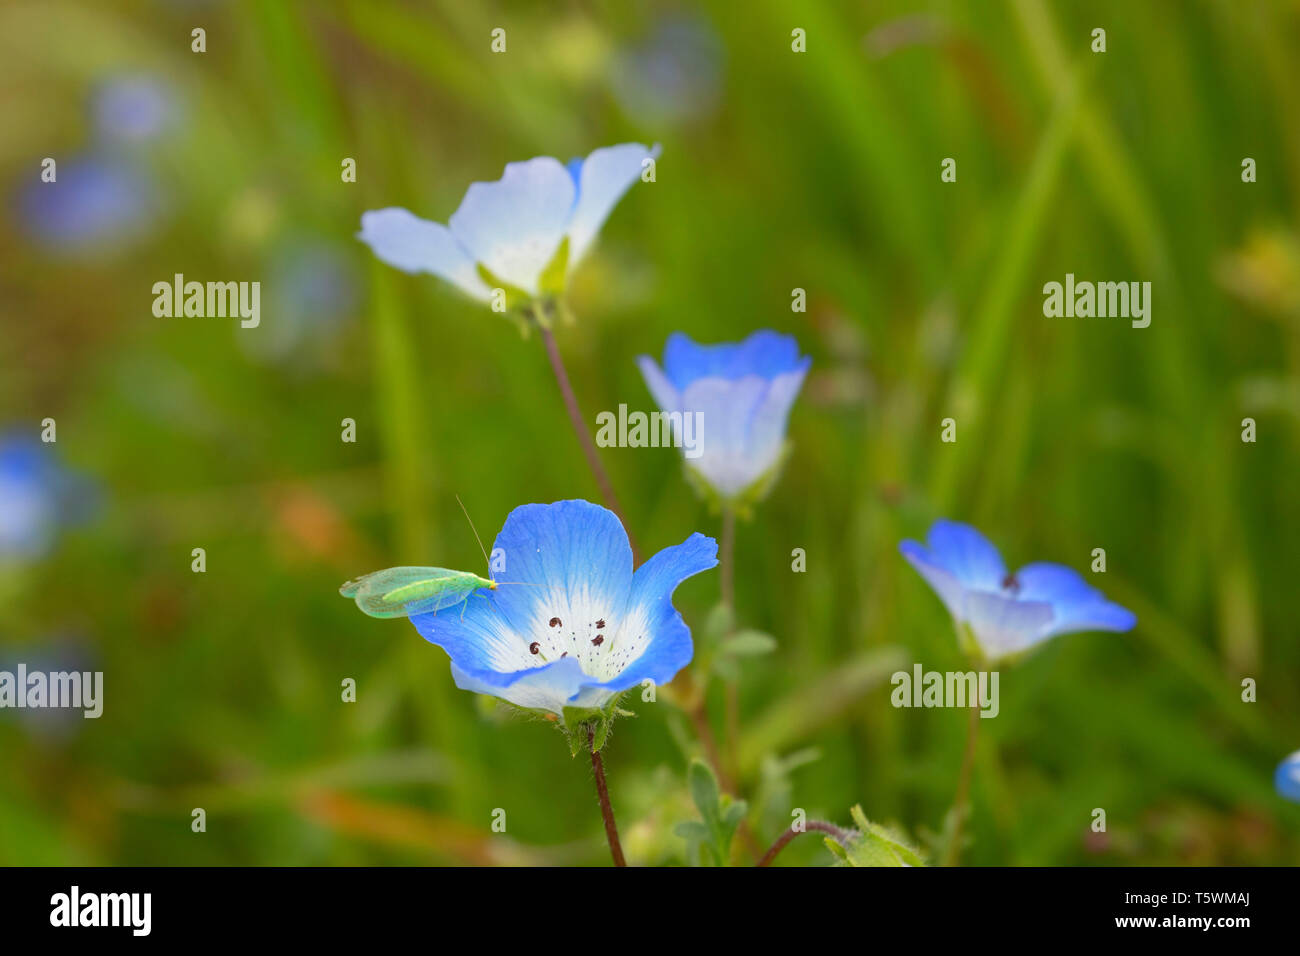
(1009, 583)
(600, 623)
(597, 640)
(555, 622)
(534, 647)
(565, 654)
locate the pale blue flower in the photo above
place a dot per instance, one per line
(132, 108)
(741, 395)
(570, 624)
(513, 227)
(95, 202)
(1008, 613)
(1287, 778)
(37, 496)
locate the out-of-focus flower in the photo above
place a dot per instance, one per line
(1287, 778)
(95, 201)
(313, 290)
(741, 395)
(675, 76)
(132, 109)
(1004, 614)
(522, 233)
(36, 497)
(583, 626)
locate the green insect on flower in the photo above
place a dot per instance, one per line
(408, 591)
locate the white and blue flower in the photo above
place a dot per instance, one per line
(510, 231)
(741, 394)
(1287, 778)
(1008, 613)
(570, 624)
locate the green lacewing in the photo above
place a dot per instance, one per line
(410, 591)
(406, 592)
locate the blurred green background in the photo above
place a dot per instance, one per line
(779, 170)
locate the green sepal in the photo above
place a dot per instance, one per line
(873, 845)
(553, 278)
(577, 721)
(516, 298)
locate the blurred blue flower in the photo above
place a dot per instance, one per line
(36, 496)
(1005, 613)
(132, 109)
(512, 228)
(313, 289)
(581, 626)
(742, 393)
(1287, 778)
(94, 201)
(676, 75)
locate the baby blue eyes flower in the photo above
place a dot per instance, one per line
(570, 624)
(1008, 613)
(1287, 778)
(510, 231)
(739, 398)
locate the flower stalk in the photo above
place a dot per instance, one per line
(602, 792)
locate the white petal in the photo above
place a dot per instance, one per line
(513, 226)
(404, 240)
(606, 175)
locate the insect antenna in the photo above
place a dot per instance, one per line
(476, 537)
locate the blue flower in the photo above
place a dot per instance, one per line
(570, 624)
(36, 496)
(511, 228)
(1287, 778)
(1008, 613)
(132, 108)
(95, 203)
(740, 395)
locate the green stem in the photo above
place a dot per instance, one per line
(961, 801)
(584, 436)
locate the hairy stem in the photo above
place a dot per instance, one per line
(584, 436)
(840, 834)
(727, 574)
(959, 804)
(602, 791)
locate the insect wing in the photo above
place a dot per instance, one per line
(405, 592)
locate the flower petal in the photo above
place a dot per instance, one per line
(665, 394)
(569, 563)
(949, 589)
(727, 409)
(1005, 625)
(652, 641)
(548, 688)
(764, 353)
(513, 226)
(1287, 777)
(966, 554)
(407, 242)
(1078, 605)
(602, 180)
